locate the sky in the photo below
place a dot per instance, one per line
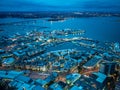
(59, 5)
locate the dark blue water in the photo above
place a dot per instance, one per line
(99, 28)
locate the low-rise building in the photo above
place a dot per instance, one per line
(70, 79)
(8, 61)
(10, 74)
(77, 88)
(91, 64)
(55, 86)
(100, 80)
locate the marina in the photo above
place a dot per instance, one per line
(44, 53)
(60, 45)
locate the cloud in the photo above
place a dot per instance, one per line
(38, 5)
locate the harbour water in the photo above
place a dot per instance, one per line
(98, 28)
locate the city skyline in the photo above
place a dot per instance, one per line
(60, 45)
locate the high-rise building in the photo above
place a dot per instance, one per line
(108, 68)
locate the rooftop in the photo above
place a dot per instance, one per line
(77, 88)
(9, 74)
(100, 77)
(8, 61)
(92, 62)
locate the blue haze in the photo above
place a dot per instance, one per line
(99, 28)
(60, 5)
